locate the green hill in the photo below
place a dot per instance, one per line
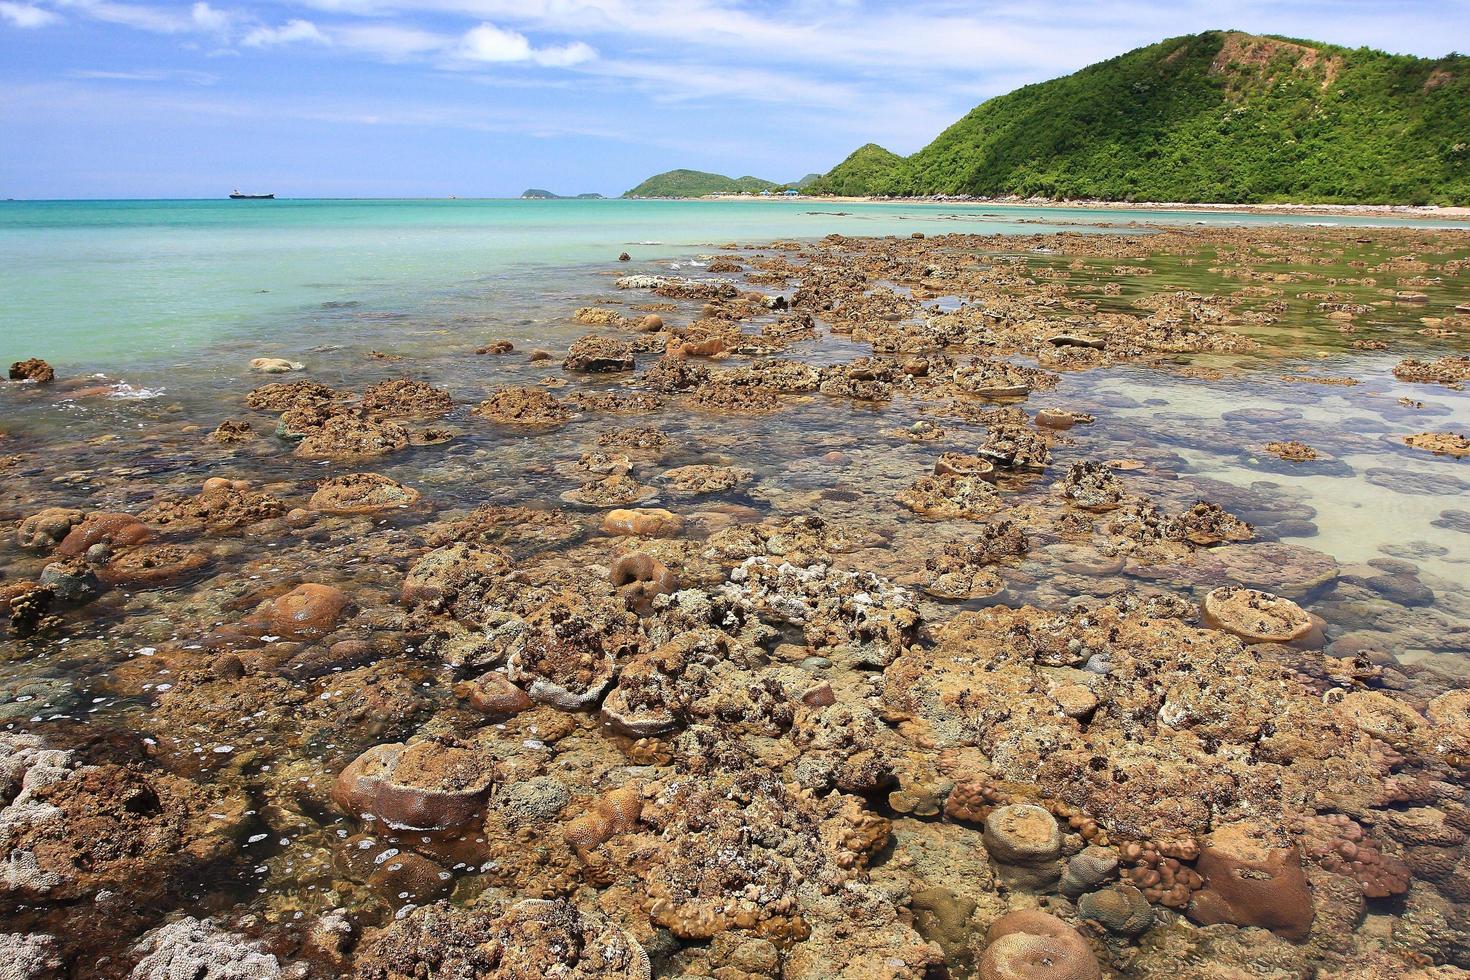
(538, 194)
(697, 183)
(1219, 116)
(868, 166)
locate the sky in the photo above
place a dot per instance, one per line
(411, 98)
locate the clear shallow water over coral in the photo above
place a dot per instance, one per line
(763, 831)
(100, 283)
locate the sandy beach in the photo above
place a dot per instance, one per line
(1378, 210)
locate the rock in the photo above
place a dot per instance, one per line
(1035, 945)
(275, 365)
(29, 956)
(624, 257)
(949, 497)
(566, 652)
(421, 786)
(1285, 569)
(405, 398)
(943, 917)
(72, 581)
(1291, 451)
(34, 370)
(496, 347)
(232, 431)
(1022, 833)
(524, 406)
(532, 802)
(641, 282)
(647, 522)
(46, 529)
(409, 879)
(1253, 877)
(308, 610)
(609, 491)
(1256, 617)
(640, 577)
(597, 355)
(611, 814)
(534, 938)
(361, 493)
(200, 950)
(455, 577)
(1439, 443)
(1061, 419)
(1121, 909)
(1076, 340)
(349, 437)
(494, 694)
(702, 479)
(115, 530)
(1406, 590)
(650, 323)
(1416, 482)
(1088, 869)
(150, 565)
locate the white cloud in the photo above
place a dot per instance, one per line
(488, 43)
(207, 18)
(25, 15)
(392, 41)
(147, 75)
(564, 56)
(291, 32)
(139, 16)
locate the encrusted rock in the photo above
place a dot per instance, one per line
(361, 493)
(597, 355)
(1253, 878)
(33, 369)
(422, 785)
(1256, 617)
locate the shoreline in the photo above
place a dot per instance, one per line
(1455, 213)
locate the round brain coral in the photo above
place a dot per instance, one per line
(1035, 945)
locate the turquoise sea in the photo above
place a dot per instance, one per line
(95, 285)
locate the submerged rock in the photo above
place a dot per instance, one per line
(422, 785)
(361, 493)
(200, 950)
(1251, 878)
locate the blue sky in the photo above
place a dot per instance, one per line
(116, 98)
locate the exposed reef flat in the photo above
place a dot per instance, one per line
(975, 607)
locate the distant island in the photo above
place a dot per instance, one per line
(1218, 117)
(537, 194)
(698, 183)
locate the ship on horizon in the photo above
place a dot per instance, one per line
(235, 195)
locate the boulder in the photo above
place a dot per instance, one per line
(275, 365)
(598, 355)
(33, 369)
(424, 785)
(1253, 877)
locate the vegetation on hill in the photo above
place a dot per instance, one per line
(537, 194)
(866, 167)
(1220, 116)
(697, 183)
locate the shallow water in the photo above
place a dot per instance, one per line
(134, 676)
(98, 284)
